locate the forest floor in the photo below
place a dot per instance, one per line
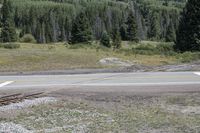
(58, 57)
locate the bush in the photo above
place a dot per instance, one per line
(158, 49)
(165, 47)
(10, 45)
(145, 50)
(145, 47)
(105, 40)
(188, 57)
(28, 38)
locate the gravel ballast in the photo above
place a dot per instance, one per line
(12, 128)
(27, 103)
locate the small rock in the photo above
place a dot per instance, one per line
(115, 62)
(12, 128)
(28, 103)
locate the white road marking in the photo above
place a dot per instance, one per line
(139, 84)
(108, 84)
(197, 73)
(6, 83)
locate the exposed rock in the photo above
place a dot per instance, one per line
(115, 62)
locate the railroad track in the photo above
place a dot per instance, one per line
(16, 98)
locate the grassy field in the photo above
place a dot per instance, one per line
(34, 57)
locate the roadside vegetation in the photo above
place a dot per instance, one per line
(178, 113)
(82, 40)
(62, 56)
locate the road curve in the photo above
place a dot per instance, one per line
(131, 80)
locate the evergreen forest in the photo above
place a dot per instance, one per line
(53, 20)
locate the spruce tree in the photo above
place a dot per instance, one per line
(154, 28)
(105, 39)
(81, 30)
(8, 33)
(166, 3)
(116, 38)
(131, 28)
(188, 34)
(123, 30)
(170, 34)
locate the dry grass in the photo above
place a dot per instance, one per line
(31, 57)
(34, 57)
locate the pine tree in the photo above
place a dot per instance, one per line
(188, 34)
(131, 28)
(123, 30)
(105, 39)
(81, 30)
(170, 34)
(166, 3)
(116, 38)
(8, 33)
(154, 29)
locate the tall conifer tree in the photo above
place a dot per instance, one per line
(123, 32)
(81, 30)
(154, 29)
(188, 34)
(170, 34)
(8, 33)
(105, 40)
(131, 27)
(116, 38)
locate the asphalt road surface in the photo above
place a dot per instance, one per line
(189, 81)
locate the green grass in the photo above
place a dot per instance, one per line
(39, 57)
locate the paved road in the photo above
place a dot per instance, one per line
(131, 80)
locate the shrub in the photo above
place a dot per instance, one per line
(116, 39)
(145, 50)
(145, 47)
(188, 57)
(28, 38)
(165, 47)
(148, 49)
(10, 45)
(105, 40)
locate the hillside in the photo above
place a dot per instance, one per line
(51, 20)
